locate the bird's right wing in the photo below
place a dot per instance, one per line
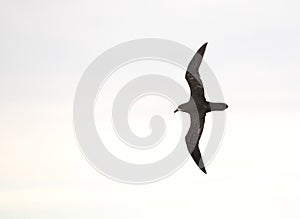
(192, 74)
(193, 136)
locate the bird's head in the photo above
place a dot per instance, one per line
(179, 108)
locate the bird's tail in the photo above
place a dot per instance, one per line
(218, 106)
(196, 155)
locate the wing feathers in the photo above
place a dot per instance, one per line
(197, 94)
(193, 77)
(197, 60)
(192, 139)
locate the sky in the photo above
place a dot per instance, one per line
(253, 51)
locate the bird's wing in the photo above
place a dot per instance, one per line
(192, 74)
(193, 136)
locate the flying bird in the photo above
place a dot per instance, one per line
(197, 107)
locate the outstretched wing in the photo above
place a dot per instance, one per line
(192, 75)
(193, 136)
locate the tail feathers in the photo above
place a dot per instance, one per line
(218, 106)
(196, 155)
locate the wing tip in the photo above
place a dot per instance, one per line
(203, 170)
(202, 49)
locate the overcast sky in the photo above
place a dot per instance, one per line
(253, 51)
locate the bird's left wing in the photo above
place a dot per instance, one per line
(193, 77)
(193, 136)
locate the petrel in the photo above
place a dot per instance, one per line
(197, 107)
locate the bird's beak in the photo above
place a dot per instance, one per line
(176, 111)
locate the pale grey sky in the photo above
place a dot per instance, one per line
(254, 52)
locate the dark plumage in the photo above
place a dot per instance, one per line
(197, 107)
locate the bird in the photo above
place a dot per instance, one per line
(197, 107)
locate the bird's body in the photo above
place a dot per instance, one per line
(197, 107)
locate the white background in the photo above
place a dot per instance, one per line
(45, 46)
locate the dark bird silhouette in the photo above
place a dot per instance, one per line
(197, 107)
